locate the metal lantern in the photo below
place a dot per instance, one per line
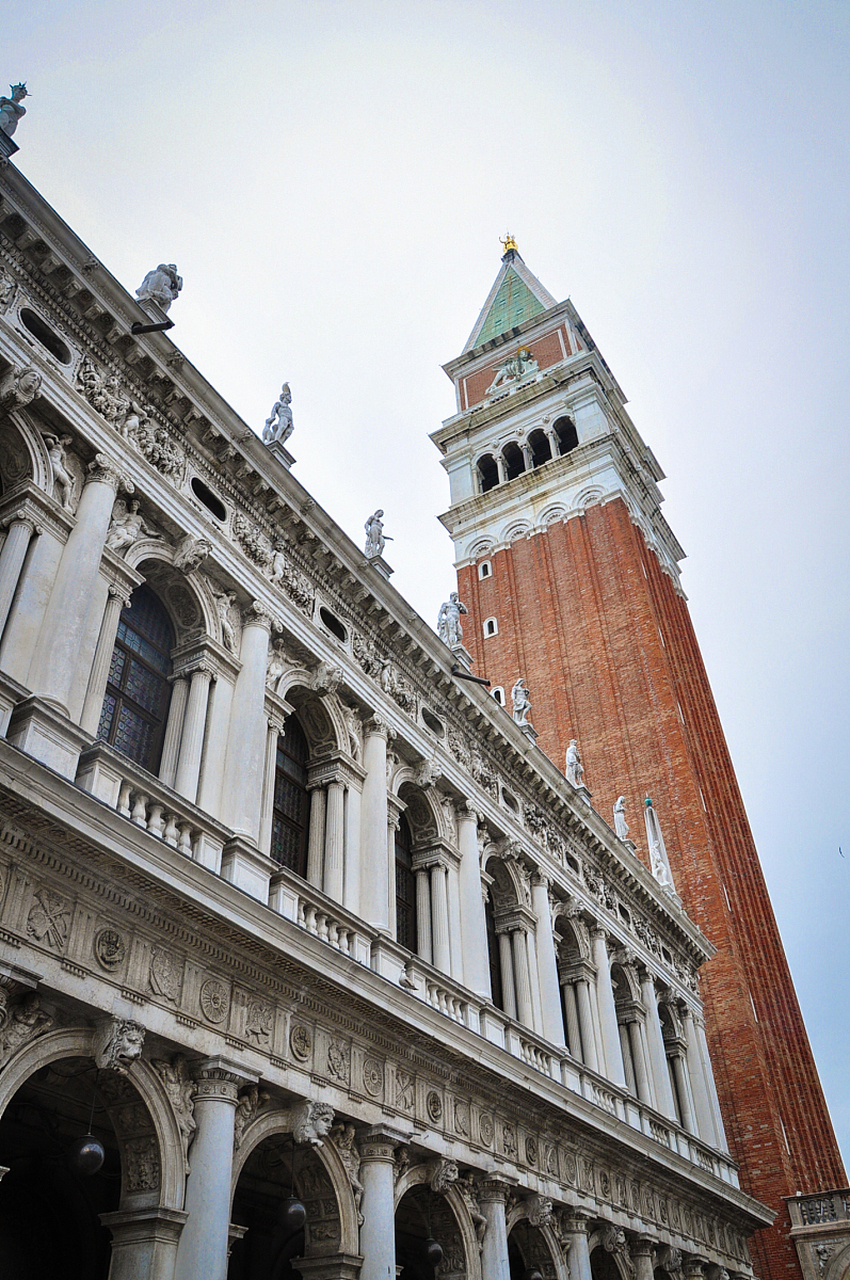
(292, 1214)
(433, 1252)
(87, 1155)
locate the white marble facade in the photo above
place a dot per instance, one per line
(316, 919)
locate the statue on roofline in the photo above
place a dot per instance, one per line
(11, 109)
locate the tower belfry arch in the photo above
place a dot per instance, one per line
(555, 491)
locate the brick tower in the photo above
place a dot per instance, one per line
(570, 575)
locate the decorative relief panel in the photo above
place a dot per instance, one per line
(49, 919)
(214, 1000)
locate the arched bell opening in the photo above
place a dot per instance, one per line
(514, 461)
(270, 1235)
(428, 1241)
(541, 449)
(488, 472)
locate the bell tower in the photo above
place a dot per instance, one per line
(570, 575)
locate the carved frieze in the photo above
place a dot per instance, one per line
(214, 1000)
(49, 919)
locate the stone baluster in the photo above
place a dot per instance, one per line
(611, 1051)
(473, 927)
(334, 839)
(575, 1230)
(60, 656)
(506, 961)
(492, 1196)
(553, 1023)
(423, 913)
(657, 1053)
(21, 530)
(374, 862)
(377, 1232)
(116, 600)
(524, 1006)
(203, 1244)
(189, 757)
(246, 743)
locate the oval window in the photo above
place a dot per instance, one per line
(510, 800)
(45, 335)
(333, 624)
(435, 725)
(209, 499)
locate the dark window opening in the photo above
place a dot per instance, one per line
(209, 499)
(435, 725)
(405, 888)
(45, 335)
(333, 624)
(291, 805)
(488, 472)
(494, 957)
(565, 430)
(541, 450)
(514, 461)
(132, 719)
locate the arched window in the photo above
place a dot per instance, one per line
(494, 957)
(132, 719)
(485, 569)
(541, 450)
(491, 627)
(565, 430)
(488, 472)
(405, 887)
(291, 810)
(514, 461)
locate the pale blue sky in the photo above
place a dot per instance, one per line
(332, 180)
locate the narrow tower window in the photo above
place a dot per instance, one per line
(514, 461)
(541, 449)
(491, 627)
(488, 472)
(498, 695)
(485, 569)
(565, 430)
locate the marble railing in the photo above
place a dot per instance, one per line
(820, 1208)
(306, 906)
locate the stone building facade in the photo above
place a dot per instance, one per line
(570, 574)
(289, 910)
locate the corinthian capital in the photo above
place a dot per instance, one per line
(104, 471)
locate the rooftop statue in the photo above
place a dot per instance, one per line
(11, 109)
(160, 286)
(449, 628)
(620, 824)
(375, 536)
(513, 368)
(509, 245)
(521, 702)
(279, 425)
(575, 768)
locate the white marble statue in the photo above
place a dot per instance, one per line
(620, 824)
(161, 286)
(62, 477)
(224, 603)
(191, 553)
(375, 536)
(279, 425)
(659, 861)
(11, 109)
(513, 368)
(449, 628)
(521, 702)
(127, 526)
(575, 768)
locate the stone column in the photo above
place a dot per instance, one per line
(173, 729)
(440, 918)
(501, 468)
(553, 1023)
(455, 938)
(334, 840)
(642, 1084)
(507, 965)
(246, 743)
(585, 1017)
(393, 823)
(275, 729)
(189, 758)
(702, 1109)
(316, 836)
(377, 1233)
(683, 1089)
(203, 1244)
(710, 1086)
(473, 929)
(353, 819)
(607, 1013)
(12, 556)
(374, 880)
(423, 913)
(575, 1229)
(641, 1252)
(116, 600)
(59, 652)
(492, 1195)
(657, 1053)
(571, 1018)
(626, 1054)
(527, 455)
(144, 1242)
(524, 1007)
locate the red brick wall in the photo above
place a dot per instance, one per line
(546, 350)
(610, 657)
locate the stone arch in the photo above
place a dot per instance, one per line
(315, 1166)
(838, 1267)
(552, 515)
(419, 1176)
(482, 547)
(424, 815)
(508, 888)
(79, 1043)
(322, 717)
(609, 1261)
(515, 531)
(23, 455)
(187, 597)
(537, 1242)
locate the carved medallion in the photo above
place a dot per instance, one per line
(485, 1130)
(434, 1107)
(373, 1076)
(300, 1042)
(165, 974)
(214, 999)
(605, 1184)
(570, 1167)
(531, 1150)
(109, 948)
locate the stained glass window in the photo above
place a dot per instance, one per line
(291, 808)
(135, 707)
(405, 888)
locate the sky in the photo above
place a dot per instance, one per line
(332, 180)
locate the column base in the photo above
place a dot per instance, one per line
(243, 865)
(41, 731)
(11, 693)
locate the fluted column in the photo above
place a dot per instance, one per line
(492, 1196)
(575, 1231)
(657, 1053)
(59, 651)
(375, 867)
(246, 744)
(607, 1013)
(506, 960)
(524, 1006)
(642, 1083)
(473, 928)
(456, 969)
(189, 758)
(424, 946)
(316, 836)
(440, 918)
(116, 600)
(588, 1032)
(571, 1019)
(377, 1233)
(683, 1089)
(173, 729)
(275, 729)
(202, 1251)
(641, 1252)
(353, 820)
(334, 840)
(547, 968)
(710, 1086)
(12, 556)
